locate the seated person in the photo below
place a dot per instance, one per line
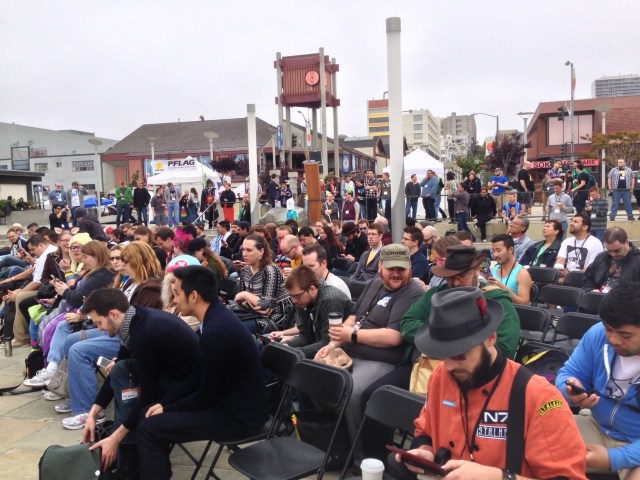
(367, 268)
(544, 252)
(607, 366)
(508, 274)
(620, 261)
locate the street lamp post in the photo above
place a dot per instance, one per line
(525, 118)
(211, 136)
(573, 87)
(603, 109)
(497, 122)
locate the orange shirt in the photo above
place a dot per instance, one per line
(553, 446)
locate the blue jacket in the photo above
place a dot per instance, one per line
(429, 187)
(591, 364)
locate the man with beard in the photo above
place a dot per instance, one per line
(606, 365)
(579, 251)
(467, 414)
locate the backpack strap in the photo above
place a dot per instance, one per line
(515, 420)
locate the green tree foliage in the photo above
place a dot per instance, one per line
(507, 152)
(617, 145)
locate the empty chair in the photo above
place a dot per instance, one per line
(590, 302)
(356, 289)
(574, 325)
(392, 407)
(544, 275)
(560, 295)
(574, 279)
(534, 324)
(285, 458)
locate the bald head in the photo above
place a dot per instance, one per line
(430, 232)
(290, 246)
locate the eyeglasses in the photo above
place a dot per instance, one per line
(363, 229)
(124, 260)
(373, 234)
(115, 259)
(297, 296)
(76, 248)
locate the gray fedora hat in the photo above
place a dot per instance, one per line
(460, 319)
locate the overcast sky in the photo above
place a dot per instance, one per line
(108, 67)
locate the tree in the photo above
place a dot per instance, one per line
(507, 152)
(227, 164)
(474, 160)
(134, 179)
(617, 145)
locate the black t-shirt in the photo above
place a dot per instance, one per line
(528, 181)
(583, 176)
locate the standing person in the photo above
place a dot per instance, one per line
(526, 187)
(207, 204)
(123, 202)
(558, 205)
(581, 190)
(158, 206)
(302, 201)
(483, 208)
(272, 191)
(385, 191)
(330, 209)
(245, 209)
(411, 193)
(497, 184)
(472, 185)
(462, 208)
(75, 199)
(621, 181)
(141, 199)
(439, 196)
(192, 206)
(597, 208)
(227, 200)
(57, 196)
(451, 187)
(429, 186)
(8, 206)
(285, 194)
(361, 193)
(350, 208)
(477, 379)
(172, 195)
(371, 195)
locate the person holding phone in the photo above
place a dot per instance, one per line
(468, 409)
(601, 377)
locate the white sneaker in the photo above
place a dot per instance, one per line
(64, 407)
(52, 397)
(40, 380)
(78, 421)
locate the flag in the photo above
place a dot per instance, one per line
(573, 81)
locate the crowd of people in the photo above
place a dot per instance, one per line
(183, 355)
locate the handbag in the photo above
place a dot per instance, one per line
(420, 374)
(59, 383)
(74, 462)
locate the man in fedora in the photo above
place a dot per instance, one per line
(468, 419)
(357, 243)
(462, 268)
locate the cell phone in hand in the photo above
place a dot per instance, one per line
(575, 389)
(417, 461)
(103, 362)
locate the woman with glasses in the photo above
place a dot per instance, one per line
(262, 285)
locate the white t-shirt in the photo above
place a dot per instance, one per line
(334, 281)
(75, 197)
(579, 253)
(625, 372)
(40, 261)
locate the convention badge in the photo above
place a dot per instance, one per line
(130, 393)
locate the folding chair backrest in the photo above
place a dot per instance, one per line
(574, 279)
(533, 318)
(230, 287)
(356, 289)
(352, 268)
(533, 294)
(280, 359)
(590, 302)
(544, 275)
(574, 325)
(560, 295)
(321, 382)
(394, 407)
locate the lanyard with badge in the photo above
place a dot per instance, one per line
(131, 393)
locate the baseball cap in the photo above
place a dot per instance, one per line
(395, 255)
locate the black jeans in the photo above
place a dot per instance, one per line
(429, 205)
(483, 219)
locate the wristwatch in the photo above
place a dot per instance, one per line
(507, 475)
(354, 335)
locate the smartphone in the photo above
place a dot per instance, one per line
(103, 362)
(417, 461)
(576, 389)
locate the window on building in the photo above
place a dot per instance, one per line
(82, 166)
(379, 129)
(41, 167)
(4, 167)
(417, 136)
(58, 164)
(417, 118)
(417, 126)
(378, 119)
(89, 186)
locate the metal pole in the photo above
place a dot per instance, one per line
(603, 176)
(337, 164)
(571, 112)
(211, 149)
(323, 112)
(253, 162)
(153, 152)
(394, 80)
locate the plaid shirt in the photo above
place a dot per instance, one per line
(371, 182)
(614, 175)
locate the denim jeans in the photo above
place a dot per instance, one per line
(122, 214)
(81, 365)
(192, 213)
(411, 205)
(462, 223)
(143, 215)
(173, 210)
(56, 350)
(625, 196)
(10, 261)
(74, 220)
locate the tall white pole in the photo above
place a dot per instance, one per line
(323, 112)
(211, 149)
(153, 152)
(253, 162)
(603, 168)
(394, 79)
(337, 164)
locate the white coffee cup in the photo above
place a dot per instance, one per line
(335, 321)
(372, 469)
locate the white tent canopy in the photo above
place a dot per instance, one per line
(185, 172)
(419, 162)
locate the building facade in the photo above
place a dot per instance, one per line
(458, 126)
(378, 118)
(422, 131)
(617, 86)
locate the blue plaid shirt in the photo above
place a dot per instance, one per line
(615, 174)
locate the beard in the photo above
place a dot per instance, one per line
(477, 374)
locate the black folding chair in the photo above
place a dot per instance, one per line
(573, 326)
(356, 289)
(228, 288)
(560, 295)
(574, 279)
(533, 294)
(534, 324)
(352, 268)
(590, 302)
(392, 407)
(544, 275)
(277, 358)
(285, 458)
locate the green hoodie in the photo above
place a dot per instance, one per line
(508, 331)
